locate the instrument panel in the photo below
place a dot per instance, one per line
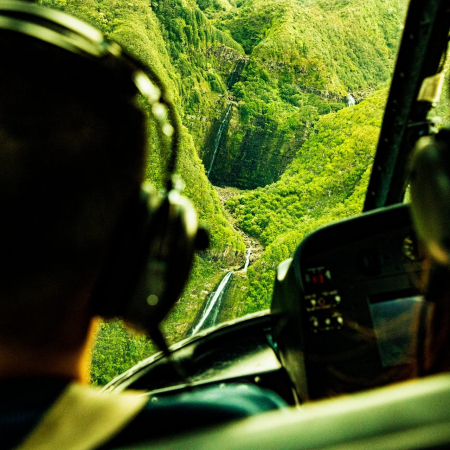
(346, 312)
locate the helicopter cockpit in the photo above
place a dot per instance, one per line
(349, 311)
(327, 331)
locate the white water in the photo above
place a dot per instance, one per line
(219, 136)
(232, 78)
(350, 100)
(212, 301)
(247, 261)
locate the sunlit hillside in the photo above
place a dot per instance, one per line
(326, 182)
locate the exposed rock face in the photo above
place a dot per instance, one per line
(224, 53)
(231, 258)
(326, 95)
(252, 157)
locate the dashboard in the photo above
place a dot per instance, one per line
(347, 309)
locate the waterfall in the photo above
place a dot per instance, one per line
(222, 128)
(234, 76)
(209, 316)
(247, 261)
(350, 100)
(232, 79)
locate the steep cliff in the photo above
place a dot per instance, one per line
(325, 182)
(304, 58)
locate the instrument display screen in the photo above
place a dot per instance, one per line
(395, 324)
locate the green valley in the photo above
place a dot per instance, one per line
(262, 90)
(325, 182)
(304, 58)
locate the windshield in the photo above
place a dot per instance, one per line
(281, 103)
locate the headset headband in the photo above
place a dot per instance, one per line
(71, 34)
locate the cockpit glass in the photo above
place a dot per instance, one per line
(281, 104)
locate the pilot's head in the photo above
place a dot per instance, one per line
(72, 150)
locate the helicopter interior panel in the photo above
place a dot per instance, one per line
(327, 331)
(345, 311)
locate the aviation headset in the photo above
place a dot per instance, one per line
(158, 234)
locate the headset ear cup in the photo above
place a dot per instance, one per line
(171, 243)
(430, 193)
(127, 255)
(150, 260)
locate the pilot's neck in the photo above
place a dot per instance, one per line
(73, 364)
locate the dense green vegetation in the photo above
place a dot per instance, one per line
(325, 182)
(305, 56)
(289, 122)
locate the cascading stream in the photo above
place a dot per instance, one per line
(350, 100)
(222, 127)
(210, 313)
(232, 79)
(213, 305)
(234, 76)
(247, 261)
(212, 308)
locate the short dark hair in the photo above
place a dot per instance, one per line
(72, 152)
